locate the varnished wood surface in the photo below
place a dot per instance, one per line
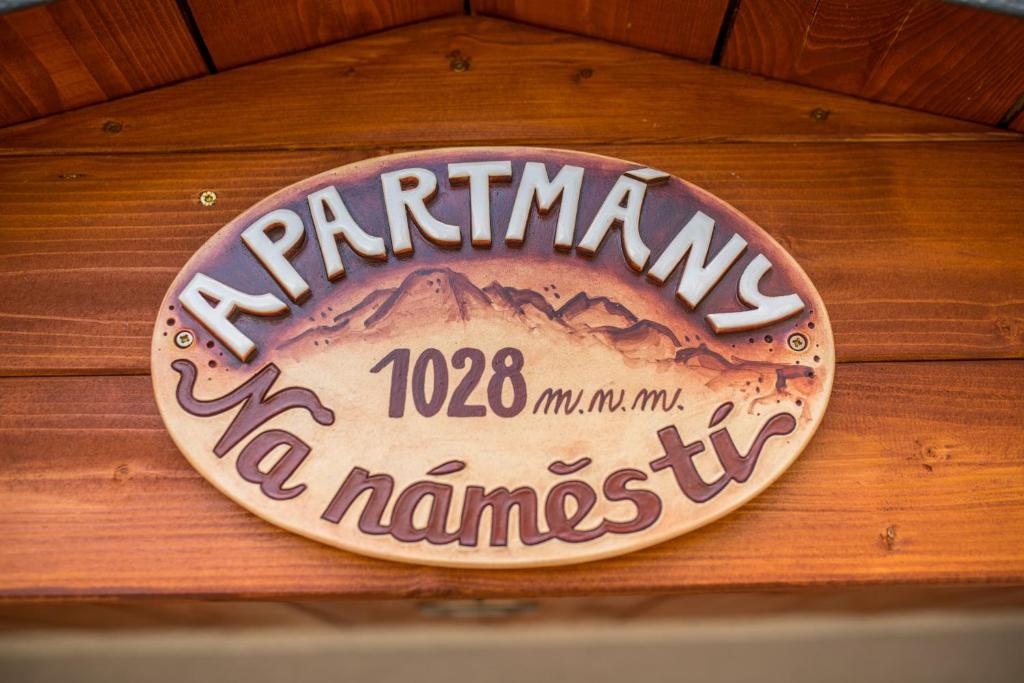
(524, 85)
(908, 224)
(72, 53)
(1017, 123)
(924, 54)
(916, 475)
(245, 31)
(687, 29)
(879, 228)
(930, 55)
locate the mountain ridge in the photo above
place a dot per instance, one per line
(453, 294)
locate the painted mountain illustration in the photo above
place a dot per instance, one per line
(442, 294)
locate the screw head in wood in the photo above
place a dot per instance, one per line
(208, 198)
(184, 339)
(797, 341)
(458, 62)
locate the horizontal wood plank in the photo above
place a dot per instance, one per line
(925, 54)
(473, 80)
(73, 53)
(247, 31)
(916, 476)
(915, 248)
(687, 29)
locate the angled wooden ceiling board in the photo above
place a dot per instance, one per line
(1018, 122)
(873, 225)
(525, 85)
(903, 484)
(923, 54)
(685, 29)
(73, 53)
(928, 55)
(251, 30)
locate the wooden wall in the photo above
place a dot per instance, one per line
(77, 52)
(72, 53)
(929, 55)
(686, 29)
(922, 54)
(908, 224)
(251, 30)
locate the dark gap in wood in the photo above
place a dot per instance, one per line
(994, 136)
(724, 31)
(1012, 112)
(467, 7)
(197, 36)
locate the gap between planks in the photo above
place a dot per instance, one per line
(993, 136)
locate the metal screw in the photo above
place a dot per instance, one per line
(819, 114)
(208, 198)
(112, 127)
(797, 341)
(184, 339)
(889, 537)
(458, 62)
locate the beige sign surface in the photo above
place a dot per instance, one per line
(492, 357)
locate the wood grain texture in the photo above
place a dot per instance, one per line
(924, 54)
(251, 30)
(524, 85)
(77, 52)
(916, 476)
(685, 29)
(913, 239)
(899, 239)
(1018, 122)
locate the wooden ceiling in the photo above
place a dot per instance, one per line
(922, 54)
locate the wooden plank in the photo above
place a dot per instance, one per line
(916, 476)
(161, 614)
(523, 85)
(924, 54)
(76, 52)
(687, 29)
(901, 240)
(1018, 122)
(242, 32)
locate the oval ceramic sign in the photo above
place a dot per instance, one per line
(492, 357)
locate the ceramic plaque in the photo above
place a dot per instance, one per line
(492, 357)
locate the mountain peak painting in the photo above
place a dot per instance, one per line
(443, 296)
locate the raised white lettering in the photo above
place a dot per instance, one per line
(227, 300)
(341, 226)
